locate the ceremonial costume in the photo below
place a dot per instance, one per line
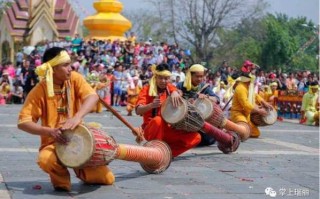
(265, 93)
(274, 95)
(316, 114)
(53, 105)
(100, 89)
(244, 100)
(309, 102)
(189, 91)
(5, 88)
(155, 127)
(241, 107)
(133, 92)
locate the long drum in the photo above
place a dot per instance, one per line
(213, 114)
(90, 147)
(185, 117)
(260, 120)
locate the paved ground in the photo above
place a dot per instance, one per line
(285, 160)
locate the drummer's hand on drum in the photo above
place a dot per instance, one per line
(262, 111)
(202, 96)
(176, 99)
(191, 100)
(269, 106)
(71, 123)
(57, 136)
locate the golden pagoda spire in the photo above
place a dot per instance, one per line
(107, 23)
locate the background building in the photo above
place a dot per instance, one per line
(28, 22)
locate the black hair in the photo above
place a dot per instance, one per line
(51, 53)
(314, 83)
(109, 71)
(162, 67)
(117, 64)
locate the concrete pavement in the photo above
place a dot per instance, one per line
(283, 161)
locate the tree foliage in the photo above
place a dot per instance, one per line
(232, 30)
(279, 45)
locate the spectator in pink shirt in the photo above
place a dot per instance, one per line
(10, 69)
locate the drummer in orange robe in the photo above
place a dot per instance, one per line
(148, 105)
(155, 127)
(101, 89)
(244, 101)
(60, 101)
(133, 92)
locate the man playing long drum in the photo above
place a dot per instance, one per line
(155, 127)
(192, 88)
(244, 102)
(56, 102)
(206, 101)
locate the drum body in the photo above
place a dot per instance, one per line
(211, 112)
(87, 147)
(259, 120)
(185, 117)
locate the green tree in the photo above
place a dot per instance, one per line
(279, 45)
(304, 61)
(298, 39)
(241, 43)
(273, 41)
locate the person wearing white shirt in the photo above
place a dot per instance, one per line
(181, 74)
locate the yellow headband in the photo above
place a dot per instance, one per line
(314, 86)
(243, 79)
(273, 84)
(153, 91)
(194, 68)
(45, 70)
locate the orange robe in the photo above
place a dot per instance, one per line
(156, 128)
(99, 105)
(132, 98)
(39, 106)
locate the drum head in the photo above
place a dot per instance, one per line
(271, 118)
(171, 114)
(205, 107)
(79, 148)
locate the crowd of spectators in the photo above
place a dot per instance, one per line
(117, 63)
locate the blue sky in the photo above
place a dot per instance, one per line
(293, 8)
